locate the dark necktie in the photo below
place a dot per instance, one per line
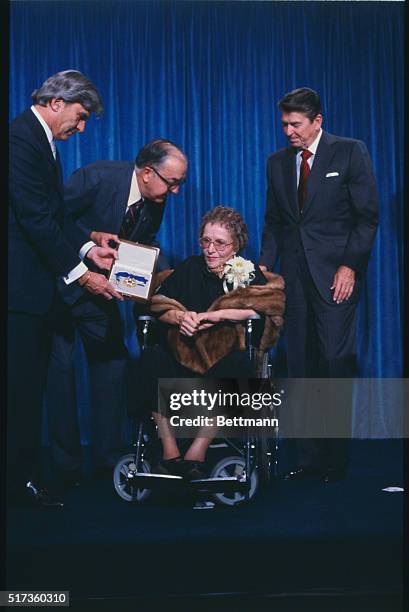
(130, 220)
(304, 174)
(58, 163)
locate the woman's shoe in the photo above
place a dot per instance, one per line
(169, 466)
(193, 470)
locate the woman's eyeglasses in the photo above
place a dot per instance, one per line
(219, 245)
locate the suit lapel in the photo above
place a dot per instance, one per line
(322, 160)
(290, 179)
(59, 173)
(121, 197)
(42, 141)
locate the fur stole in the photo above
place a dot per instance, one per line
(206, 348)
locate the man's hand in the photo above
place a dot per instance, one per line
(263, 268)
(343, 284)
(97, 284)
(102, 257)
(102, 239)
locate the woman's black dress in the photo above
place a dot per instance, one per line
(194, 286)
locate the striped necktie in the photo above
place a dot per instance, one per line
(130, 220)
(53, 148)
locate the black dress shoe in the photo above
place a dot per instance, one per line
(300, 473)
(334, 475)
(40, 497)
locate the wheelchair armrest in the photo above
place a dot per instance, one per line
(254, 317)
(249, 326)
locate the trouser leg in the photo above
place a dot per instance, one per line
(302, 364)
(28, 347)
(101, 329)
(336, 331)
(321, 344)
(61, 397)
(300, 332)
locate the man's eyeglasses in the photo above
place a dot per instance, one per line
(219, 245)
(171, 184)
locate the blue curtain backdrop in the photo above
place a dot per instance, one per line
(207, 75)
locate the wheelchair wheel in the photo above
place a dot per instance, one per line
(263, 367)
(233, 467)
(124, 471)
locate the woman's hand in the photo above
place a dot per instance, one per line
(188, 323)
(208, 319)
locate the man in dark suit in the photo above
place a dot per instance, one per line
(104, 200)
(38, 253)
(321, 219)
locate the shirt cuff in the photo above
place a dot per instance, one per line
(85, 248)
(75, 273)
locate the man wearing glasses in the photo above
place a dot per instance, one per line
(110, 200)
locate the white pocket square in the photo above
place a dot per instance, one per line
(331, 174)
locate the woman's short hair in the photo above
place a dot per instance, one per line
(231, 220)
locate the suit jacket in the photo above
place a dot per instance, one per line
(96, 197)
(340, 215)
(38, 250)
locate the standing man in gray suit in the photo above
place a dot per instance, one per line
(321, 219)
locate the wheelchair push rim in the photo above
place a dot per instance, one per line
(229, 467)
(124, 471)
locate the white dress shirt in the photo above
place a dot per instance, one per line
(81, 268)
(47, 131)
(134, 196)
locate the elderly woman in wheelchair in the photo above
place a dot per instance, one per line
(200, 306)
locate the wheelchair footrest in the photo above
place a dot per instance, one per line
(221, 485)
(155, 481)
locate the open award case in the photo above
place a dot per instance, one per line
(132, 272)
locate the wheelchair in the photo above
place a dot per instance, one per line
(242, 465)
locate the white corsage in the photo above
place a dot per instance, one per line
(238, 272)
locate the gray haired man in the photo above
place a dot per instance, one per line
(38, 253)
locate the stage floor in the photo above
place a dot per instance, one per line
(295, 542)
